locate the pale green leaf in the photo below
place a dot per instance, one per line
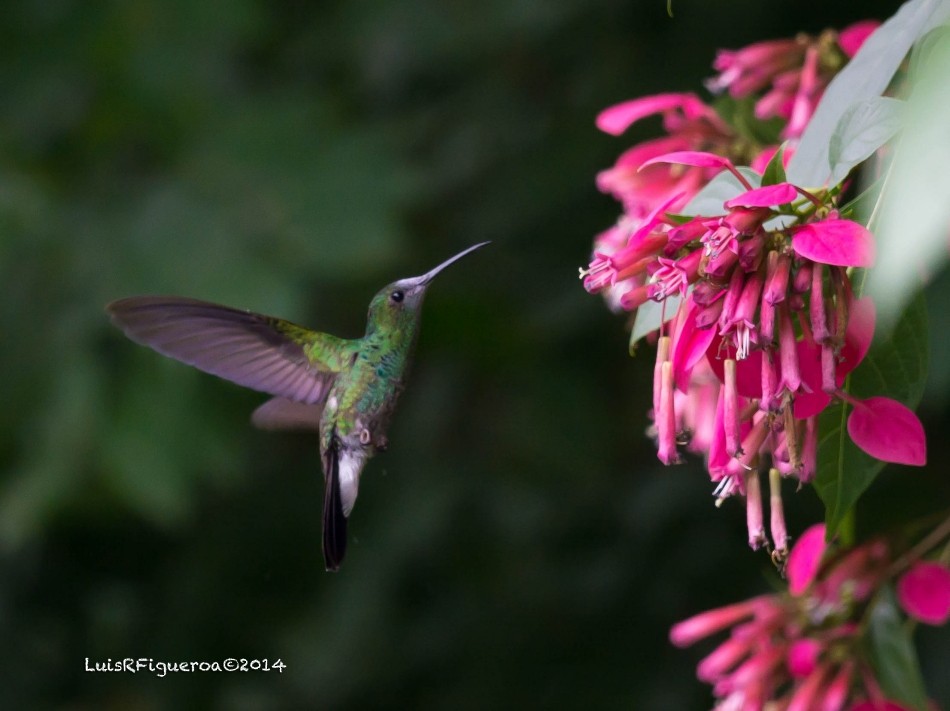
(865, 76)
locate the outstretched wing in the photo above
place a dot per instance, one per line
(256, 351)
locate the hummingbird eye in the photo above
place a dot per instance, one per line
(398, 295)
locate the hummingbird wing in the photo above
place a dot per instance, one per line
(259, 352)
(334, 520)
(279, 413)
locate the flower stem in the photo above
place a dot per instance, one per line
(934, 538)
(846, 528)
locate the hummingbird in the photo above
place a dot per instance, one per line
(346, 389)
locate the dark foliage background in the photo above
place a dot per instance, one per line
(519, 545)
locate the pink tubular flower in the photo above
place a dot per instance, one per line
(772, 313)
(758, 326)
(788, 76)
(798, 651)
(642, 186)
(689, 123)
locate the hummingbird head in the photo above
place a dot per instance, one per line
(399, 302)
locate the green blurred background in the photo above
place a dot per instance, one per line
(519, 545)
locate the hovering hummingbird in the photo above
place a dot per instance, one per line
(346, 389)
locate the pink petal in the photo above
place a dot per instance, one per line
(635, 156)
(700, 159)
(803, 657)
(809, 367)
(762, 160)
(748, 370)
(777, 194)
(853, 36)
(684, 633)
(689, 345)
(618, 118)
(654, 218)
(805, 558)
(842, 243)
(924, 592)
(889, 431)
(858, 335)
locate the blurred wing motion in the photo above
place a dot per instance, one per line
(259, 352)
(279, 413)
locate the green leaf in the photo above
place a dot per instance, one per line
(775, 170)
(894, 367)
(921, 55)
(860, 206)
(740, 115)
(863, 128)
(893, 654)
(865, 76)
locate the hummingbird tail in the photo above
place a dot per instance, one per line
(334, 520)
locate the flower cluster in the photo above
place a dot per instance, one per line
(642, 186)
(788, 76)
(795, 72)
(766, 326)
(766, 331)
(803, 649)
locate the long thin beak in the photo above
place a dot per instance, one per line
(429, 275)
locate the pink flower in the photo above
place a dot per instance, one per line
(685, 633)
(803, 657)
(689, 124)
(618, 118)
(789, 76)
(781, 331)
(853, 36)
(805, 558)
(750, 69)
(924, 592)
(643, 186)
(798, 650)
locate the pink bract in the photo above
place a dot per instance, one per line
(695, 158)
(689, 345)
(858, 337)
(770, 195)
(838, 242)
(924, 592)
(889, 431)
(618, 118)
(805, 558)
